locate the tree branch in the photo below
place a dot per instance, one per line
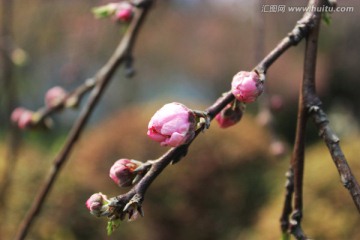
(319, 117)
(333, 143)
(297, 160)
(136, 194)
(301, 30)
(289, 187)
(102, 78)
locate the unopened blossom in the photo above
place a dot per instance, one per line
(54, 95)
(98, 204)
(124, 12)
(172, 125)
(229, 116)
(246, 86)
(122, 172)
(15, 115)
(22, 117)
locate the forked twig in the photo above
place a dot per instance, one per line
(102, 78)
(311, 107)
(300, 31)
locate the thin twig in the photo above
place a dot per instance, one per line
(289, 187)
(333, 143)
(102, 78)
(321, 121)
(300, 31)
(72, 98)
(297, 159)
(295, 174)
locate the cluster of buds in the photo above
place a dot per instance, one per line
(121, 12)
(172, 125)
(22, 117)
(25, 118)
(124, 172)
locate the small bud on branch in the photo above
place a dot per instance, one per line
(247, 86)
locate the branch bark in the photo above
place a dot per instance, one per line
(300, 31)
(102, 78)
(313, 105)
(295, 180)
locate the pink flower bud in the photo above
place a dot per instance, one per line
(229, 116)
(25, 119)
(54, 95)
(98, 204)
(15, 115)
(22, 117)
(122, 172)
(172, 125)
(246, 86)
(124, 12)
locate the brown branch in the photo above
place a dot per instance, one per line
(321, 121)
(311, 107)
(73, 98)
(289, 187)
(332, 142)
(300, 31)
(136, 194)
(297, 160)
(132, 200)
(102, 78)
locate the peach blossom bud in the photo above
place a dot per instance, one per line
(122, 172)
(15, 115)
(98, 204)
(25, 119)
(54, 95)
(172, 125)
(229, 116)
(124, 12)
(246, 86)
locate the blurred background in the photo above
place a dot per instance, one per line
(230, 186)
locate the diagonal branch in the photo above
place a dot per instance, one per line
(300, 31)
(313, 105)
(102, 78)
(333, 143)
